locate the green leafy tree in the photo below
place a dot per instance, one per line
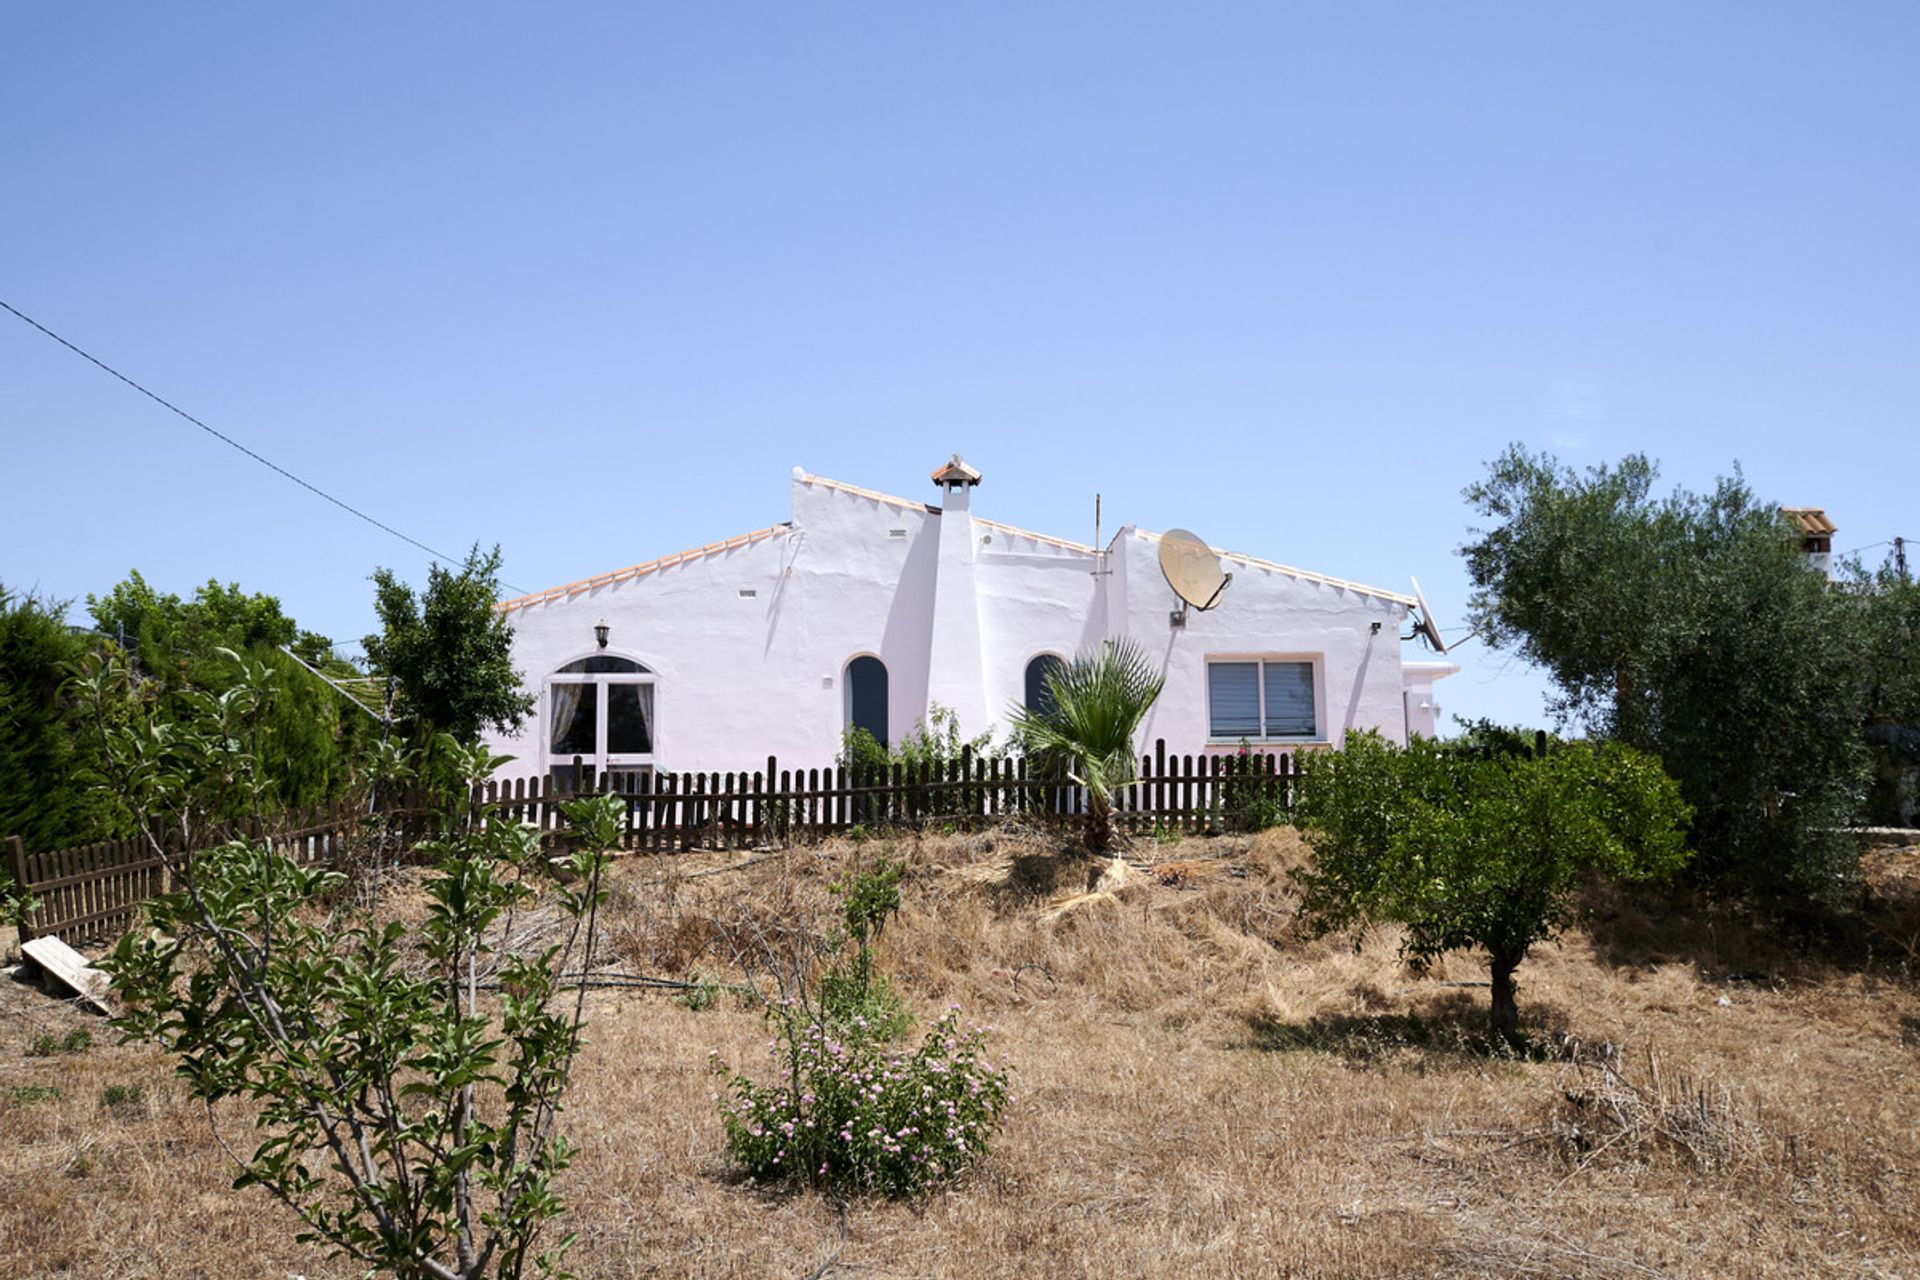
(309, 736)
(1470, 850)
(1086, 730)
(406, 1082)
(1887, 604)
(449, 651)
(48, 752)
(1692, 627)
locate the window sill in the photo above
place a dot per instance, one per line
(1214, 744)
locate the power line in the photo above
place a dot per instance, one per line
(229, 440)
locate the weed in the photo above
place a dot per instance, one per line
(25, 1093)
(78, 1040)
(702, 995)
(115, 1096)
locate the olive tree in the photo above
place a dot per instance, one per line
(1693, 627)
(1478, 851)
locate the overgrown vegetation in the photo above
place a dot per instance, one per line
(1469, 850)
(48, 752)
(309, 739)
(1887, 600)
(1248, 1100)
(408, 1114)
(846, 1108)
(1692, 627)
(852, 991)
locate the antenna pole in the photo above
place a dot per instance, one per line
(1100, 569)
(1900, 556)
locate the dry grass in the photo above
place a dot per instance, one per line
(1199, 1092)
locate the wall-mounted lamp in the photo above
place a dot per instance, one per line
(600, 632)
(1375, 631)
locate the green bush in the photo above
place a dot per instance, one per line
(851, 991)
(1473, 852)
(847, 1108)
(848, 1112)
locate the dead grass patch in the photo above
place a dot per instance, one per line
(1199, 1091)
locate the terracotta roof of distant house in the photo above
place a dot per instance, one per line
(1812, 520)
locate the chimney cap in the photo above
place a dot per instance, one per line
(956, 471)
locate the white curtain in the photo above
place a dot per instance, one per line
(566, 705)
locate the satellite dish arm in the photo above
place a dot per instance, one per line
(1215, 597)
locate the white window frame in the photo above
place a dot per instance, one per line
(1315, 661)
(599, 760)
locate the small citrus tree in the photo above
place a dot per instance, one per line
(1098, 702)
(1479, 851)
(407, 1114)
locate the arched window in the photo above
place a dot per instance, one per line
(600, 713)
(867, 696)
(1039, 697)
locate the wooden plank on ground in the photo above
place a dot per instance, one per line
(70, 969)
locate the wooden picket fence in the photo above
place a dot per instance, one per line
(94, 892)
(666, 812)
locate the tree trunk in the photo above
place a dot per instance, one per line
(1506, 1010)
(1099, 824)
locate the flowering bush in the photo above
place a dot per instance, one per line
(852, 1112)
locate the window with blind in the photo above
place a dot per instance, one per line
(1263, 699)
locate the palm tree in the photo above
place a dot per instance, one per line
(1086, 725)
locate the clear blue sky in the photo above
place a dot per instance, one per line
(589, 280)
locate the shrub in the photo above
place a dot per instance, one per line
(123, 1095)
(848, 1112)
(851, 992)
(1478, 853)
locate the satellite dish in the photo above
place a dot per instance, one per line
(1424, 628)
(1192, 570)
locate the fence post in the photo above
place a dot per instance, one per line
(17, 865)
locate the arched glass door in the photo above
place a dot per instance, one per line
(599, 721)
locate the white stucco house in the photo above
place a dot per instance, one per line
(866, 609)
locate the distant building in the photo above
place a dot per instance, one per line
(1816, 535)
(867, 609)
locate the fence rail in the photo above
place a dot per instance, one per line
(95, 891)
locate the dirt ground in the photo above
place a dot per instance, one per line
(1199, 1091)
